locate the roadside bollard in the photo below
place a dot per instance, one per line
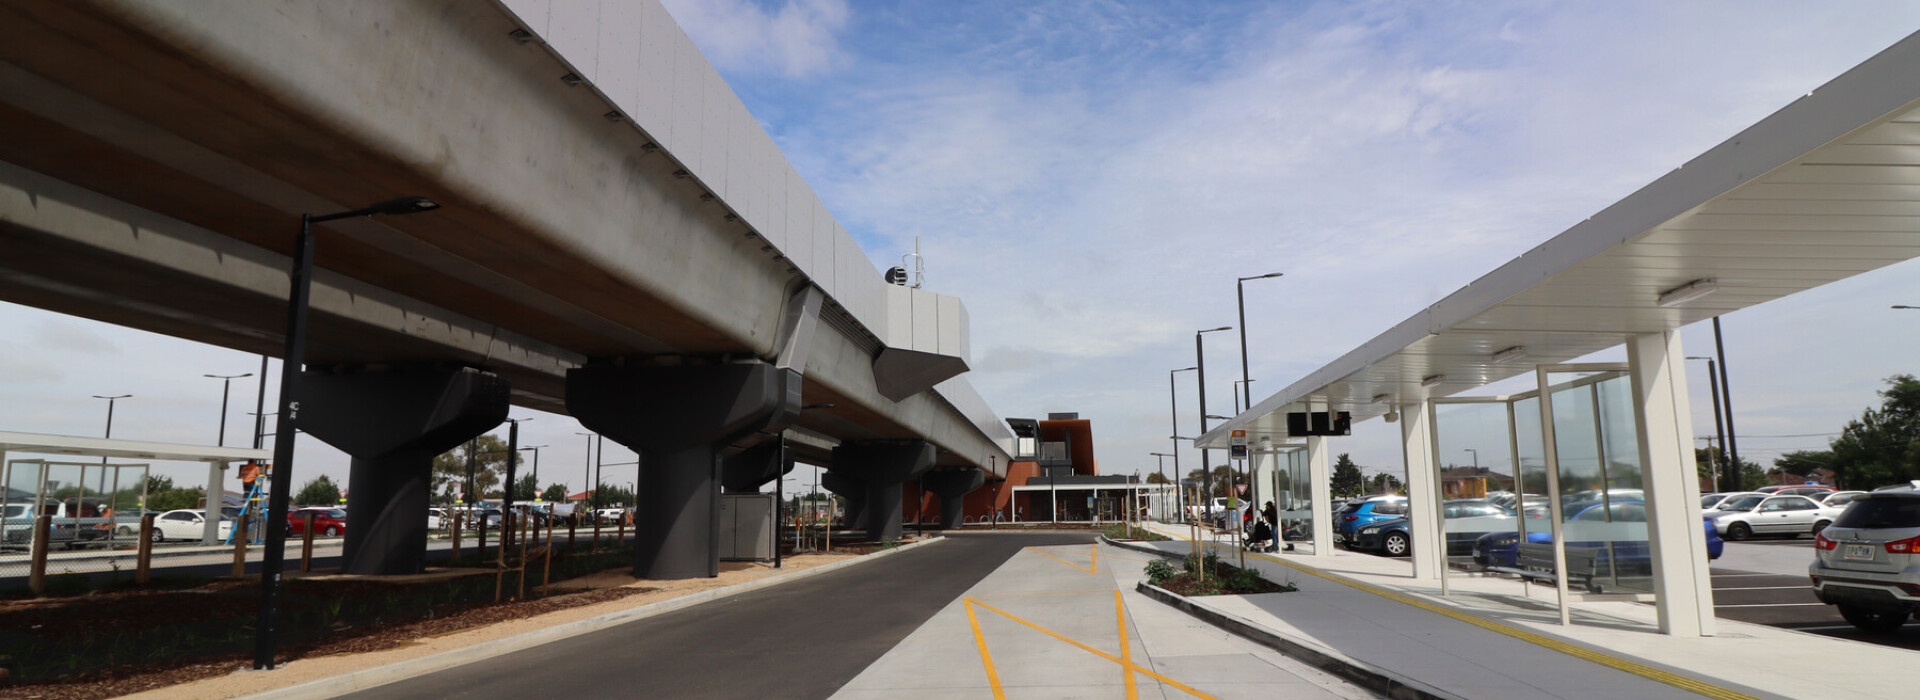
(306, 544)
(240, 546)
(143, 562)
(37, 571)
(573, 529)
(596, 532)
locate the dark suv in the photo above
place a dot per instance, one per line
(1866, 562)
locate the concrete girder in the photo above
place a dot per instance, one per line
(393, 423)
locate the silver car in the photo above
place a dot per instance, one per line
(1865, 563)
(1743, 516)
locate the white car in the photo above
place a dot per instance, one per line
(1744, 516)
(435, 518)
(1839, 499)
(1710, 503)
(186, 524)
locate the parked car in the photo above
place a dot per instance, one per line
(1465, 522)
(1359, 514)
(188, 524)
(72, 521)
(331, 522)
(1709, 501)
(610, 516)
(1759, 514)
(1814, 490)
(1866, 563)
(1591, 527)
(1837, 499)
(436, 518)
(1913, 485)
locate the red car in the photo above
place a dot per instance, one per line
(331, 522)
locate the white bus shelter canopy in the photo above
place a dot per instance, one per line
(1826, 188)
(127, 449)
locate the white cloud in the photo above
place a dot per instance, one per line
(795, 39)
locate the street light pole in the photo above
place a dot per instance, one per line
(1732, 444)
(1173, 404)
(260, 406)
(536, 468)
(110, 401)
(1240, 290)
(226, 383)
(586, 472)
(1200, 364)
(1716, 459)
(286, 423)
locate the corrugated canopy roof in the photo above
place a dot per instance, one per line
(1826, 188)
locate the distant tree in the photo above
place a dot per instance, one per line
(175, 499)
(156, 484)
(1223, 480)
(1157, 478)
(555, 492)
(1383, 483)
(1751, 475)
(321, 491)
(1883, 445)
(1347, 479)
(450, 469)
(525, 487)
(610, 495)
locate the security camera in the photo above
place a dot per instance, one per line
(1391, 416)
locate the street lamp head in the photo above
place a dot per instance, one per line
(227, 376)
(1213, 417)
(1904, 306)
(1269, 275)
(1187, 369)
(812, 406)
(1697, 357)
(1211, 330)
(110, 398)
(391, 207)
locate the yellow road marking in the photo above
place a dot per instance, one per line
(1096, 652)
(1030, 595)
(1094, 569)
(1126, 652)
(986, 657)
(1648, 672)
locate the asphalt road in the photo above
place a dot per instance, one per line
(803, 639)
(1764, 581)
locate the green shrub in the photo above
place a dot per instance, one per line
(1159, 570)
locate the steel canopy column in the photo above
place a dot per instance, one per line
(683, 419)
(953, 485)
(393, 422)
(1417, 440)
(1664, 422)
(1320, 477)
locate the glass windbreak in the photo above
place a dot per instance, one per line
(1531, 452)
(1296, 519)
(1476, 477)
(1601, 498)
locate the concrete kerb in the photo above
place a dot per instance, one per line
(381, 675)
(1358, 672)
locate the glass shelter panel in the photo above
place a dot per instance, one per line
(1602, 505)
(1475, 474)
(1530, 452)
(1296, 518)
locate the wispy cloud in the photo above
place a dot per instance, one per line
(792, 39)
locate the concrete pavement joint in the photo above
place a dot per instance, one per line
(381, 675)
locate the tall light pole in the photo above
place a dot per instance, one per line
(259, 406)
(1476, 458)
(273, 563)
(1715, 458)
(1173, 403)
(1729, 482)
(110, 400)
(226, 383)
(1240, 290)
(1200, 363)
(586, 473)
(536, 469)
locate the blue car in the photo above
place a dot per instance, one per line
(1502, 549)
(1362, 513)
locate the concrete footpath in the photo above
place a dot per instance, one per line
(1066, 622)
(1493, 638)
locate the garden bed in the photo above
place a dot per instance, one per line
(1220, 579)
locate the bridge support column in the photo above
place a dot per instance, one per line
(393, 423)
(753, 468)
(884, 466)
(854, 490)
(952, 486)
(683, 420)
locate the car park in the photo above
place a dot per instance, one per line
(331, 522)
(1744, 516)
(1621, 524)
(1866, 563)
(188, 524)
(1812, 490)
(1465, 522)
(1838, 499)
(1359, 514)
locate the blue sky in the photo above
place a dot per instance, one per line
(1090, 177)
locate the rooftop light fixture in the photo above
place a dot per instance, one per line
(1432, 380)
(1510, 354)
(1688, 292)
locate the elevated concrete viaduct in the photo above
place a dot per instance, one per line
(612, 217)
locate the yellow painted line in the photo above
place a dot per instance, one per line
(986, 657)
(1126, 651)
(1030, 595)
(1094, 569)
(1676, 680)
(1096, 652)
